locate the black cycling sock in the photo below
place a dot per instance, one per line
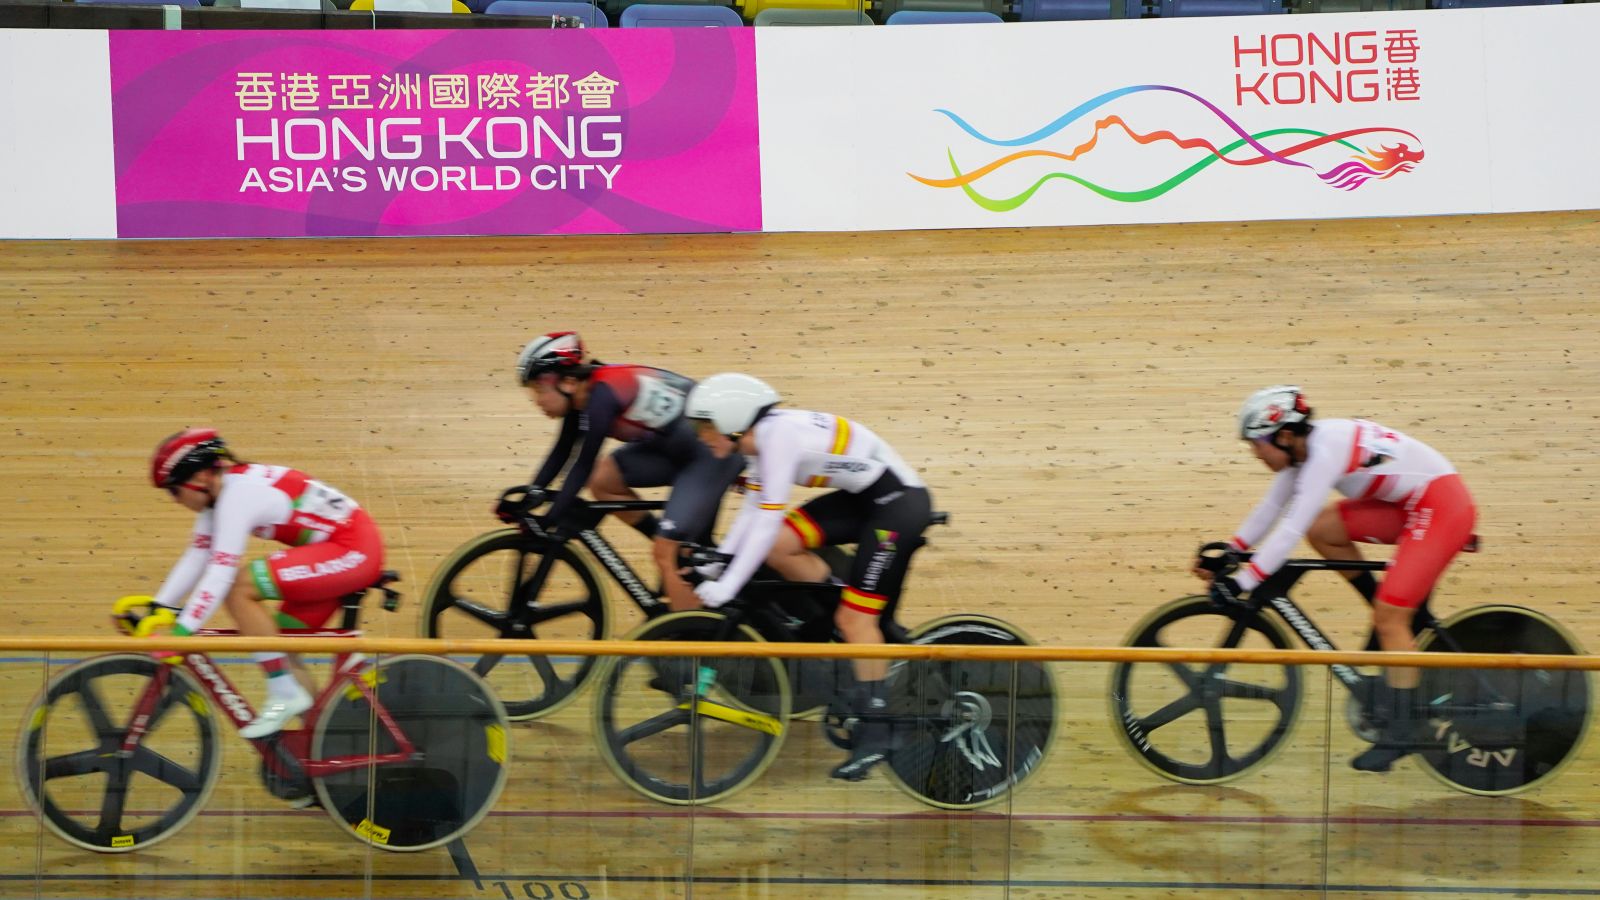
(648, 525)
(1366, 586)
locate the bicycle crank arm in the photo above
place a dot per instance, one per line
(754, 721)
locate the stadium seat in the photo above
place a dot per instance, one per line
(591, 15)
(1334, 6)
(677, 15)
(753, 8)
(1169, 8)
(1485, 4)
(941, 17)
(778, 15)
(887, 8)
(189, 4)
(1078, 10)
(306, 5)
(423, 6)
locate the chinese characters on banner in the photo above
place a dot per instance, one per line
(1292, 68)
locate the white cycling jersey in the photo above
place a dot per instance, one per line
(1359, 459)
(810, 449)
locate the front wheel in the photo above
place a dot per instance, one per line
(967, 732)
(1501, 731)
(1197, 723)
(72, 768)
(686, 730)
(491, 588)
(458, 730)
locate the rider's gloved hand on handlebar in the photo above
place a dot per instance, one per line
(514, 502)
(710, 571)
(714, 593)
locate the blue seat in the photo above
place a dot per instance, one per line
(1485, 4)
(592, 16)
(939, 17)
(673, 15)
(190, 4)
(1078, 10)
(1222, 7)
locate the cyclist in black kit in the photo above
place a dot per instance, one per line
(642, 407)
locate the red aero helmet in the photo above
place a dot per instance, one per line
(552, 352)
(183, 454)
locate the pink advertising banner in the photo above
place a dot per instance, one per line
(504, 131)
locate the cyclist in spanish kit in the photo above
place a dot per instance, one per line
(1398, 491)
(643, 408)
(879, 504)
(334, 549)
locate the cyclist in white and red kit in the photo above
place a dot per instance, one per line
(334, 550)
(878, 503)
(1398, 491)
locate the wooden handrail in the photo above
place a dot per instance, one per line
(443, 647)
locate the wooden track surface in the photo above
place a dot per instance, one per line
(1068, 395)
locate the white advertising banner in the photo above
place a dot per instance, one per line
(1267, 117)
(55, 135)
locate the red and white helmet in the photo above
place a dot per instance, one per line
(180, 456)
(553, 352)
(1270, 409)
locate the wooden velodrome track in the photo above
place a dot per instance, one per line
(1069, 396)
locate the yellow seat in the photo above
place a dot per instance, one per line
(752, 8)
(430, 6)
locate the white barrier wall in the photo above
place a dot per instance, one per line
(1268, 117)
(1262, 117)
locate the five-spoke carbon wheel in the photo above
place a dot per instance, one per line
(92, 792)
(690, 730)
(1199, 723)
(491, 588)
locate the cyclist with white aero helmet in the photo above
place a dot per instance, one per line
(1398, 491)
(880, 505)
(334, 550)
(642, 407)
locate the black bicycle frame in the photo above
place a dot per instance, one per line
(1274, 592)
(588, 517)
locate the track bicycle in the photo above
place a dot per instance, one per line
(524, 583)
(1491, 731)
(121, 751)
(695, 731)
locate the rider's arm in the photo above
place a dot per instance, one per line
(601, 411)
(186, 571)
(243, 505)
(1259, 522)
(559, 454)
(1314, 479)
(762, 515)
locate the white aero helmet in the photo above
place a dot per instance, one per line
(1270, 409)
(554, 352)
(730, 401)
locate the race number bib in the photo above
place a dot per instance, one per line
(657, 404)
(319, 501)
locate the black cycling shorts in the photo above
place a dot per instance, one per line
(676, 457)
(885, 522)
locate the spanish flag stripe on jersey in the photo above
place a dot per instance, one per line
(817, 481)
(772, 506)
(810, 534)
(841, 435)
(861, 601)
